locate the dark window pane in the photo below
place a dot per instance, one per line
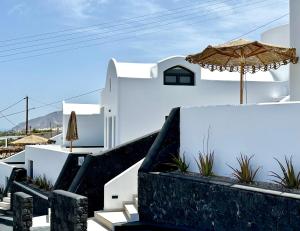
(170, 79)
(185, 79)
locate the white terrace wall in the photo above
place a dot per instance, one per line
(266, 131)
(45, 160)
(90, 130)
(124, 186)
(5, 171)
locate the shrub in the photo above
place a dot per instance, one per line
(180, 163)
(289, 179)
(43, 183)
(206, 163)
(244, 174)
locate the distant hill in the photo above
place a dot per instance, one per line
(43, 122)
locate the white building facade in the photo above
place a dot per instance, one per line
(137, 97)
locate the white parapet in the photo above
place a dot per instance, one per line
(121, 188)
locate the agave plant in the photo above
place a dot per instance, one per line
(244, 174)
(206, 158)
(180, 163)
(206, 163)
(289, 179)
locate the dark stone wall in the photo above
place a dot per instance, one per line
(17, 174)
(22, 212)
(97, 170)
(40, 201)
(198, 203)
(68, 171)
(69, 211)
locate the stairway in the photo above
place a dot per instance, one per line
(110, 219)
(5, 203)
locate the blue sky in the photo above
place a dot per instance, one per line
(158, 28)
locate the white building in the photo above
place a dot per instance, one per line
(138, 97)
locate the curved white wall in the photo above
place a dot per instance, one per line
(266, 131)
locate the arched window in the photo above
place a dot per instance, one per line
(179, 76)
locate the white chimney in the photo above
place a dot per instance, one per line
(295, 42)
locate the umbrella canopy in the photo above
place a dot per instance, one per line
(244, 56)
(32, 139)
(72, 133)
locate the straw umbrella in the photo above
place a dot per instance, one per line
(28, 140)
(72, 129)
(244, 56)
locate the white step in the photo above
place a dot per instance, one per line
(110, 219)
(5, 205)
(93, 225)
(131, 212)
(9, 195)
(6, 199)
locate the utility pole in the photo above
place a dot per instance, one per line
(26, 120)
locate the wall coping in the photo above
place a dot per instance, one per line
(261, 187)
(31, 190)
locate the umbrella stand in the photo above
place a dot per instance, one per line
(71, 145)
(242, 84)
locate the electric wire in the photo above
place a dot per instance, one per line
(79, 29)
(84, 46)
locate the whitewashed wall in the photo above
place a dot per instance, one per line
(279, 35)
(5, 171)
(266, 131)
(58, 139)
(90, 130)
(47, 159)
(124, 186)
(18, 157)
(144, 103)
(295, 42)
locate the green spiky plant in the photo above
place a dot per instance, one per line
(43, 183)
(245, 173)
(206, 164)
(206, 158)
(289, 179)
(180, 163)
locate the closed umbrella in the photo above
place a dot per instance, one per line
(244, 56)
(72, 133)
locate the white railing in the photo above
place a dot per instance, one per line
(5, 172)
(122, 188)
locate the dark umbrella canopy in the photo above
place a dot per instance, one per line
(72, 133)
(243, 56)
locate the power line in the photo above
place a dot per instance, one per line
(5, 117)
(12, 105)
(259, 27)
(53, 103)
(93, 36)
(84, 46)
(78, 29)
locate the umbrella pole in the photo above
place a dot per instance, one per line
(242, 84)
(71, 146)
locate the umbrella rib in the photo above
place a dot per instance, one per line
(227, 61)
(260, 60)
(208, 56)
(226, 54)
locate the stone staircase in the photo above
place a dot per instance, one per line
(5, 203)
(110, 219)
